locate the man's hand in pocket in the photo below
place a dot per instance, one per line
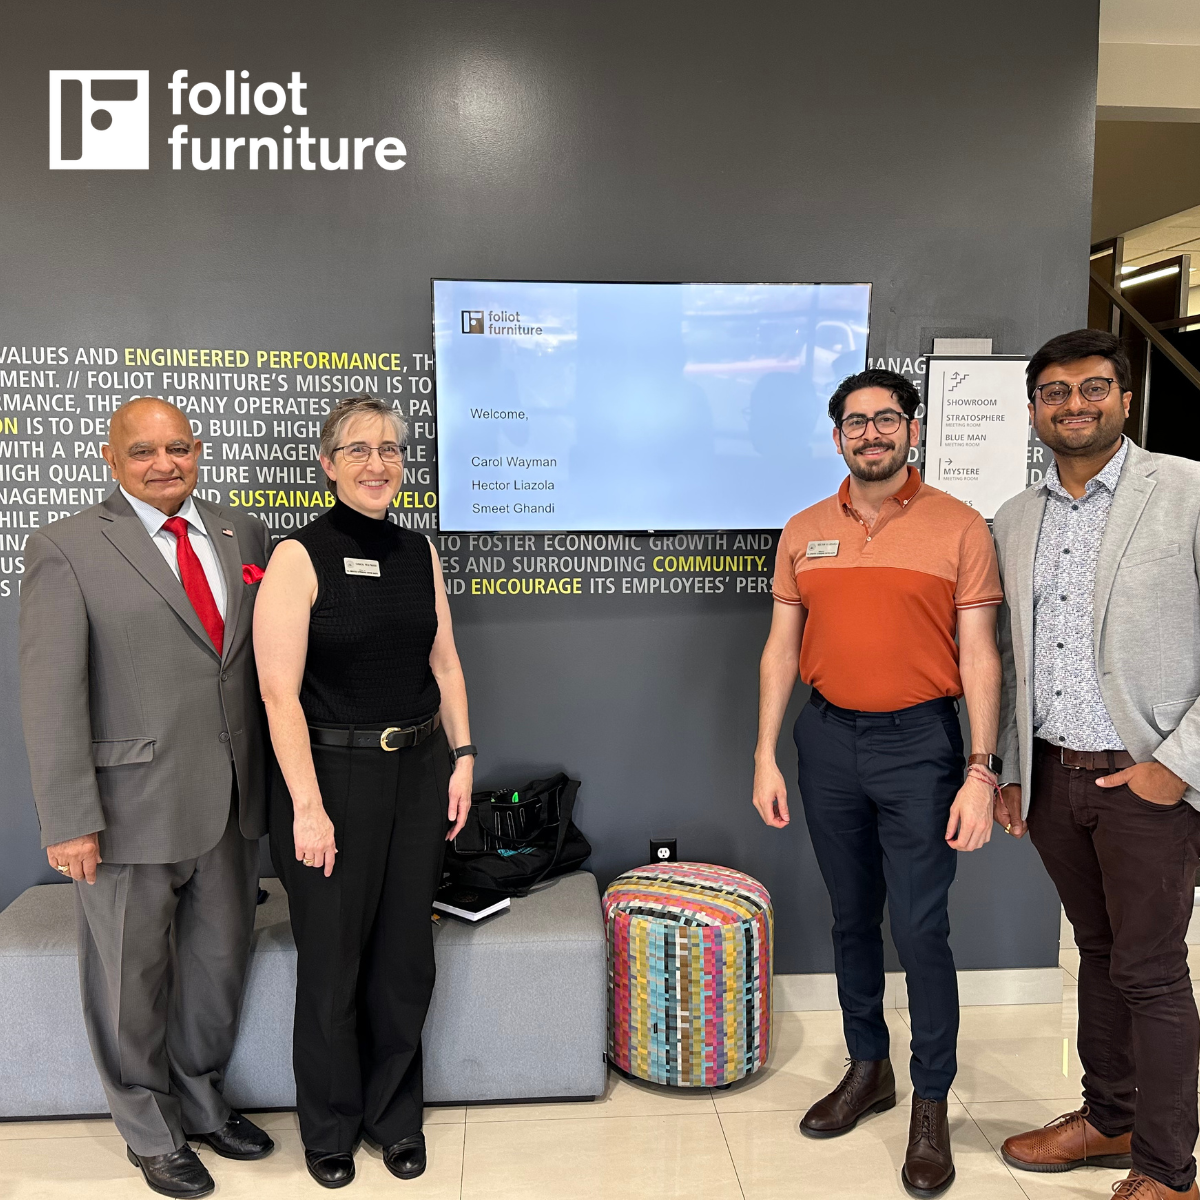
(1149, 781)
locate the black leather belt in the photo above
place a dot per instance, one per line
(394, 737)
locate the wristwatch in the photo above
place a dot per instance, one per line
(992, 762)
(462, 752)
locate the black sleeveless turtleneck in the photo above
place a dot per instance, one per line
(368, 638)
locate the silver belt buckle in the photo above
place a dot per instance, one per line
(1062, 758)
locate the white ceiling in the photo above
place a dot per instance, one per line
(1176, 234)
(1133, 23)
(1166, 22)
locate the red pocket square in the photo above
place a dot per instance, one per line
(252, 572)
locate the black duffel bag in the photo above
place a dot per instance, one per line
(515, 839)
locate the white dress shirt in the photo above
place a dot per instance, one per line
(164, 539)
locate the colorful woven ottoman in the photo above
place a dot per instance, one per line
(689, 974)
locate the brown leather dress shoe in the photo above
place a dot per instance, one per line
(928, 1168)
(867, 1087)
(1141, 1187)
(1068, 1142)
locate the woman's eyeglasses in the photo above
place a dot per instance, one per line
(360, 452)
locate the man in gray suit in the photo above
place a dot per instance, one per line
(144, 730)
(1100, 737)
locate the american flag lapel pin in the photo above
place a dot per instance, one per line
(227, 532)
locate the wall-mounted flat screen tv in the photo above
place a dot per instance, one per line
(638, 406)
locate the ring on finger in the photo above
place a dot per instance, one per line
(63, 869)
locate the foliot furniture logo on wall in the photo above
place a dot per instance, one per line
(100, 121)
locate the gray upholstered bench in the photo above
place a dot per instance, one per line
(518, 1011)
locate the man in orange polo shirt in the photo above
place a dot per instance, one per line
(871, 588)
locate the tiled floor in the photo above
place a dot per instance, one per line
(1017, 1070)
(643, 1141)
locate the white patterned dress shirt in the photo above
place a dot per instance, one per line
(1068, 709)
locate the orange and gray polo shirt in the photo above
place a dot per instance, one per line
(882, 603)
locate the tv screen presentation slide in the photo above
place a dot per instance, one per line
(639, 406)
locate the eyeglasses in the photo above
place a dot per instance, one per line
(886, 421)
(360, 452)
(1093, 390)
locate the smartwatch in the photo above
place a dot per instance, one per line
(462, 752)
(991, 761)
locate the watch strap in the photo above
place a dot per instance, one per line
(989, 761)
(462, 752)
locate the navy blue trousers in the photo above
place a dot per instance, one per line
(877, 790)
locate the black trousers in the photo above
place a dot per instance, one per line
(1126, 869)
(877, 790)
(364, 940)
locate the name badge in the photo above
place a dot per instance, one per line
(362, 566)
(815, 549)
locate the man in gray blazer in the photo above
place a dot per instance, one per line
(145, 736)
(1100, 737)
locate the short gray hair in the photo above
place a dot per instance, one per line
(358, 406)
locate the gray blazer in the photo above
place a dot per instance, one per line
(1147, 617)
(133, 725)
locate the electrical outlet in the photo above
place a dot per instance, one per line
(663, 850)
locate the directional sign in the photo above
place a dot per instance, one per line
(977, 428)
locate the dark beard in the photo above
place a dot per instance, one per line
(1104, 434)
(884, 468)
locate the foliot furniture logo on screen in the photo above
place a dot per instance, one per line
(497, 322)
(100, 121)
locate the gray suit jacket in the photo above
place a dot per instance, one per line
(133, 725)
(1146, 635)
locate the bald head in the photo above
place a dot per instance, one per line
(153, 453)
(135, 415)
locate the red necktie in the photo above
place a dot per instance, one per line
(195, 582)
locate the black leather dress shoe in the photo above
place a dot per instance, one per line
(928, 1167)
(406, 1158)
(330, 1170)
(867, 1087)
(237, 1138)
(179, 1173)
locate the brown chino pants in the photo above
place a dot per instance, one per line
(1125, 869)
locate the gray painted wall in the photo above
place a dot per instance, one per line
(919, 147)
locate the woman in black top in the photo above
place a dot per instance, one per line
(365, 696)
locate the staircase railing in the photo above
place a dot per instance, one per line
(1152, 335)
